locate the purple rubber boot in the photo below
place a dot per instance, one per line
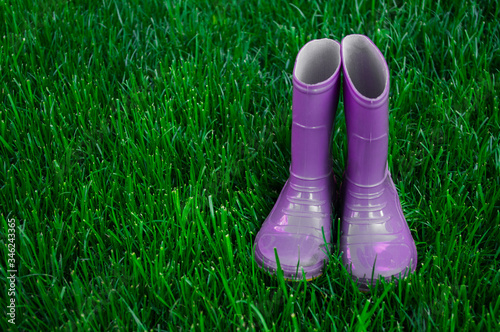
(299, 225)
(376, 240)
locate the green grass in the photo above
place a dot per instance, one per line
(143, 143)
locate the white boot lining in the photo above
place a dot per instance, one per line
(317, 61)
(364, 66)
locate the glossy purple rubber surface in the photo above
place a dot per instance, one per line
(375, 240)
(299, 225)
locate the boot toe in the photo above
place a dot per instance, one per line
(388, 260)
(297, 253)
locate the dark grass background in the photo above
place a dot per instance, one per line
(142, 144)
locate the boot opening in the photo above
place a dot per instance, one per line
(317, 61)
(364, 65)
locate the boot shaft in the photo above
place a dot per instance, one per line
(366, 97)
(315, 98)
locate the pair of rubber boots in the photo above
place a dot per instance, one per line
(375, 239)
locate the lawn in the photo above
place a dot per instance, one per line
(143, 143)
